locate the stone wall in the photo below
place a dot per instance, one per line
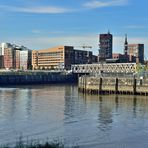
(113, 85)
(36, 78)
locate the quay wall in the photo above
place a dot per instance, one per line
(113, 85)
(26, 78)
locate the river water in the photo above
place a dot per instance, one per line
(60, 112)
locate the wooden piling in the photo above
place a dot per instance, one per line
(116, 86)
(100, 85)
(109, 86)
(134, 86)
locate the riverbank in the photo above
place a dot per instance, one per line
(36, 77)
(31, 144)
(36, 144)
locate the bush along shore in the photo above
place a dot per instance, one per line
(36, 144)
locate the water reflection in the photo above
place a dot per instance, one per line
(134, 106)
(105, 115)
(116, 102)
(61, 111)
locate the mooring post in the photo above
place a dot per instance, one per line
(100, 86)
(134, 86)
(85, 83)
(79, 82)
(116, 86)
(78, 79)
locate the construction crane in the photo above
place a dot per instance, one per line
(84, 47)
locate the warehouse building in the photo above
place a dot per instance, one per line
(61, 57)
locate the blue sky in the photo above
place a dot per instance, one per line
(40, 24)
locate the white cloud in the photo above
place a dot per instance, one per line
(48, 42)
(77, 41)
(39, 31)
(98, 4)
(41, 9)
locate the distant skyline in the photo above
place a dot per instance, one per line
(41, 24)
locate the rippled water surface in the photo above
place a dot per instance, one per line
(60, 112)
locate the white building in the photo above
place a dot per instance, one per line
(3, 46)
(25, 59)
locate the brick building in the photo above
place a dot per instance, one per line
(16, 59)
(133, 53)
(8, 58)
(118, 58)
(13, 56)
(61, 57)
(137, 51)
(106, 43)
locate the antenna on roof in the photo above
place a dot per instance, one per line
(108, 31)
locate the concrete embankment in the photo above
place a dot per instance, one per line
(21, 78)
(113, 85)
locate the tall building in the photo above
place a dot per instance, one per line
(61, 57)
(15, 57)
(3, 46)
(106, 43)
(8, 58)
(137, 51)
(25, 59)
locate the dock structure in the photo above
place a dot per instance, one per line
(113, 85)
(35, 77)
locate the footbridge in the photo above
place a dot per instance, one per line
(105, 68)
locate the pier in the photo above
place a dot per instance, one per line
(113, 85)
